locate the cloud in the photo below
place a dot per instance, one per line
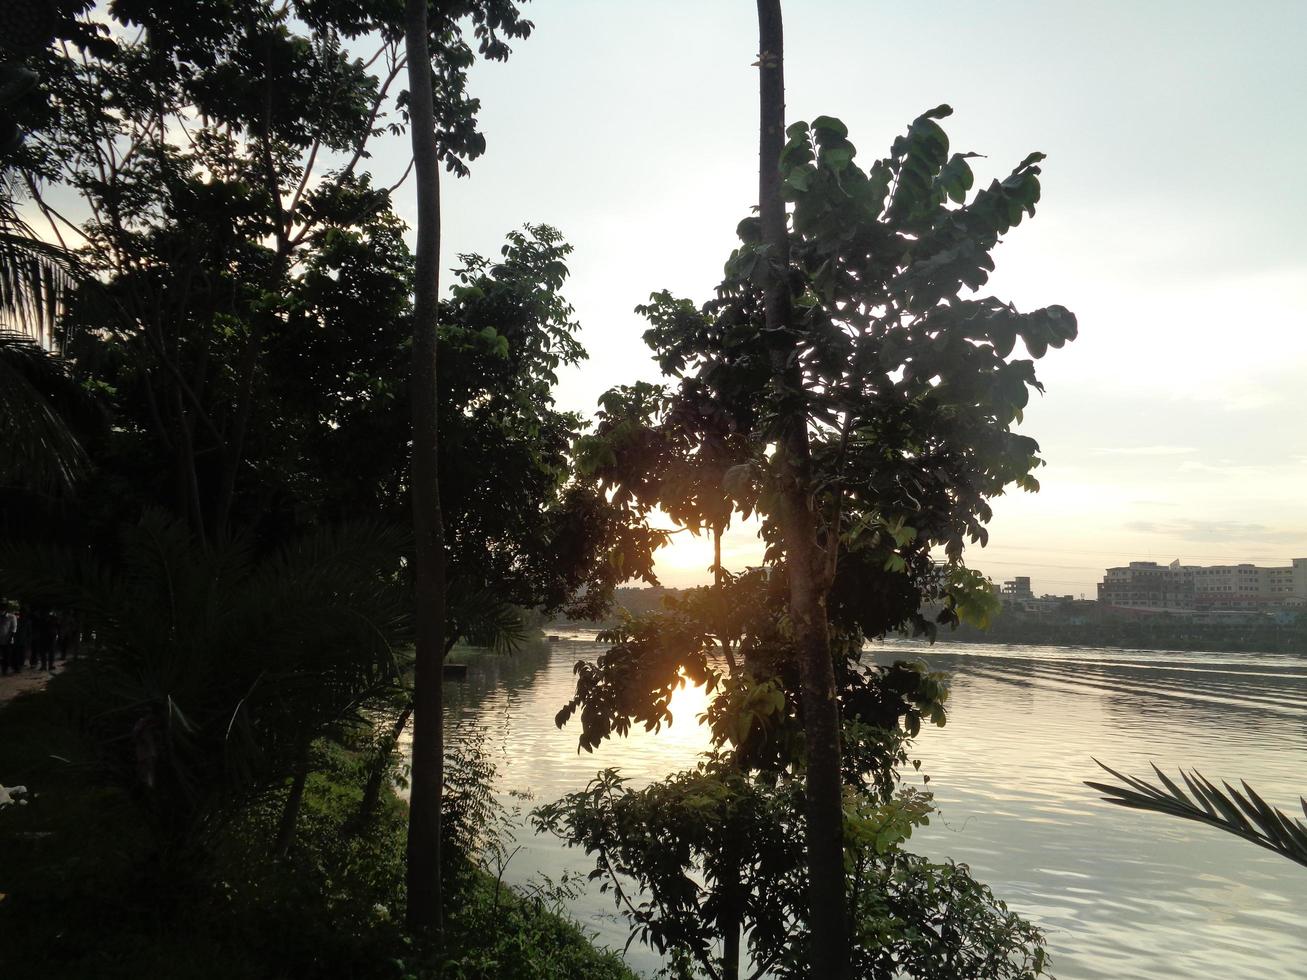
(1199, 530)
(1145, 451)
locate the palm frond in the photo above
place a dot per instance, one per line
(36, 279)
(1244, 814)
(485, 620)
(40, 449)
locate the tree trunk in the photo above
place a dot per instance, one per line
(828, 929)
(424, 891)
(732, 914)
(291, 811)
(377, 774)
(719, 576)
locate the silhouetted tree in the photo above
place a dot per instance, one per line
(848, 387)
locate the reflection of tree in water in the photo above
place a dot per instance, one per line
(488, 671)
(493, 678)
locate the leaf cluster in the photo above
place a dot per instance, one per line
(666, 851)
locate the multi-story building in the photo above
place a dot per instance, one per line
(1288, 585)
(1017, 588)
(1146, 585)
(1018, 595)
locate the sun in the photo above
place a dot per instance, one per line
(687, 560)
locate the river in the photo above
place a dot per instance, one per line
(1120, 894)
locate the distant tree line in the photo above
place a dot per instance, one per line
(1151, 633)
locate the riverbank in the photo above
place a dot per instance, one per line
(85, 891)
(1159, 634)
(1102, 631)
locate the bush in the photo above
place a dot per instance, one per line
(80, 897)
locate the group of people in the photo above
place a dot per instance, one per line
(34, 637)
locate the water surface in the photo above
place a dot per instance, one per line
(1121, 894)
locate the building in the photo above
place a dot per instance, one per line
(1017, 595)
(1017, 589)
(1146, 585)
(1177, 588)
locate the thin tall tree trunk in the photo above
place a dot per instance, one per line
(732, 914)
(424, 886)
(719, 577)
(377, 774)
(291, 811)
(827, 924)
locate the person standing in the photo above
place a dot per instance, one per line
(8, 648)
(70, 635)
(23, 640)
(45, 634)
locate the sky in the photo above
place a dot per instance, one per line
(1172, 223)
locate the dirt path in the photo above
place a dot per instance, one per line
(26, 680)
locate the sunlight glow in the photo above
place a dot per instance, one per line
(687, 560)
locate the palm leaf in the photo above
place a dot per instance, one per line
(485, 620)
(1244, 814)
(40, 449)
(35, 280)
(36, 277)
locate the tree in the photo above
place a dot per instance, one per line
(217, 160)
(189, 138)
(810, 568)
(248, 271)
(718, 850)
(35, 277)
(668, 853)
(36, 392)
(848, 386)
(44, 411)
(521, 532)
(430, 564)
(506, 329)
(186, 227)
(37, 398)
(424, 900)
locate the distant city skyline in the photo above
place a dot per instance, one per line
(1171, 223)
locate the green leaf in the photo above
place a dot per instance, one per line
(838, 157)
(824, 125)
(800, 178)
